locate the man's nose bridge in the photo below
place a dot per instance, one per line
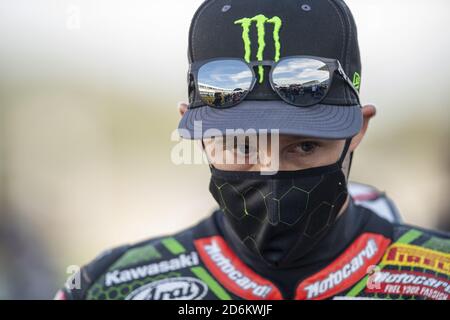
(268, 153)
(264, 157)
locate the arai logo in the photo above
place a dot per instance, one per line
(183, 288)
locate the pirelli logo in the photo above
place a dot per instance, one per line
(413, 256)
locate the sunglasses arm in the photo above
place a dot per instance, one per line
(347, 79)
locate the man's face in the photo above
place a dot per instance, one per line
(262, 153)
(293, 152)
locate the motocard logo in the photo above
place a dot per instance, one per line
(410, 283)
(180, 262)
(232, 273)
(347, 269)
(183, 288)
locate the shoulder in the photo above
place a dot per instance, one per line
(418, 247)
(117, 272)
(415, 266)
(374, 200)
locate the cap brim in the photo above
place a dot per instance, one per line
(318, 121)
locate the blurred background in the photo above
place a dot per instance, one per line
(88, 105)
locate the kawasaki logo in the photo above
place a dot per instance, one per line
(260, 21)
(120, 276)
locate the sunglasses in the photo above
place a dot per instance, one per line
(301, 81)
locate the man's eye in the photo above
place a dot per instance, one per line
(306, 147)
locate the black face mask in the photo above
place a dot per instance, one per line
(281, 217)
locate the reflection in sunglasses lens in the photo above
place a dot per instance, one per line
(223, 83)
(301, 81)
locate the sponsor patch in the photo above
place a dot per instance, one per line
(232, 273)
(407, 283)
(347, 269)
(180, 262)
(182, 288)
(407, 255)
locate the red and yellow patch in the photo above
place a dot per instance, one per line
(406, 255)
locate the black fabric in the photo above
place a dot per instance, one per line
(282, 220)
(355, 221)
(327, 30)
(91, 272)
(281, 217)
(321, 28)
(351, 224)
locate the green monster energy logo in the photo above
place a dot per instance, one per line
(261, 21)
(357, 80)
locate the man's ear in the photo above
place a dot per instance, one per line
(182, 107)
(369, 111)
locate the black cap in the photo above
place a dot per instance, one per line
(323, 28)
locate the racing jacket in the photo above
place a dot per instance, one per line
(368, 254)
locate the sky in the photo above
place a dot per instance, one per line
(140, 47)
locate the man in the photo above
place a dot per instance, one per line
(274, 90)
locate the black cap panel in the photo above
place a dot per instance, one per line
(323, 28)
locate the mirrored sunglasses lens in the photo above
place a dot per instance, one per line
(223, 83)
(301, 81)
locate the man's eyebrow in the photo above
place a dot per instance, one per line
(299, 138)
